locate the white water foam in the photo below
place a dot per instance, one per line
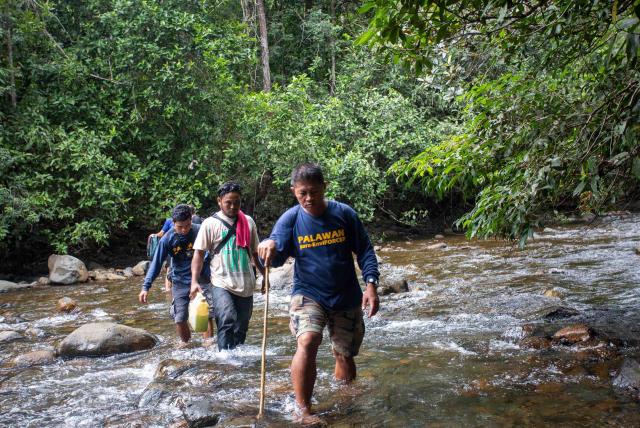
(452, 346)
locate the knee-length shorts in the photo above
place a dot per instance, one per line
(346, 328)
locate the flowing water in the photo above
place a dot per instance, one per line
(446, 353)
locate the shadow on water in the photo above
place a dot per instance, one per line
(447, 353)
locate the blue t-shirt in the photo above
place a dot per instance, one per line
(179, 248)
(168, 225)
(323, 247)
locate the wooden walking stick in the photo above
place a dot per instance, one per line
(263, 374)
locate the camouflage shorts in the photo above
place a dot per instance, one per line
(346, 328)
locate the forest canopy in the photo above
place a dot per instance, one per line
(114, 111)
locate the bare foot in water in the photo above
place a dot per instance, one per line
(182, 345)
(305, 418)
(207, 343)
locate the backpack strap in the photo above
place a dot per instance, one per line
(232, 231)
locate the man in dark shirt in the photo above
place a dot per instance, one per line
(322, 236)
(177, 243)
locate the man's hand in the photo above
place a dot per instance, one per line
(142, 297)
(263, 289)
(370, 300)
(195, 288)
(267, 251)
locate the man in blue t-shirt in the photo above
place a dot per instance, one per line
(322, 236)
(177, 244)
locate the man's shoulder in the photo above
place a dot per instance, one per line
(341, 207)
(290, 213)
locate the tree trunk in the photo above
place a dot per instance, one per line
(12, 72)
(332, 83)
(264, 46)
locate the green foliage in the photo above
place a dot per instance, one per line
(550, 104)
(116, 101)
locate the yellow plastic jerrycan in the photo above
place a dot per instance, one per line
(199, 314)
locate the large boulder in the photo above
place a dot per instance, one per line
(628, 376)
(10, 286)
(105, 338)
(67, 270)
(281, 278)
(141, 268)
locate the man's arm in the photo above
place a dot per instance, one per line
(196, 268)
(154, 269)
(368, 264)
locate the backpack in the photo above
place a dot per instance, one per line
(152, 244)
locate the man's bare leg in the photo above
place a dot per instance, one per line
(182, 328)
(208, 334)
(345, 368)
(304, 371)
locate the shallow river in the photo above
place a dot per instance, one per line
(446, 353)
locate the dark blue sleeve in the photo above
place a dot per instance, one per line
(162, 252)
(363, 249)
(168, 223)
(282, 234)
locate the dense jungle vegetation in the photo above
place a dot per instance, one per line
(113, 111)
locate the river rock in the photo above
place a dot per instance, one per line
(574, 333)
(377, 248)
(392, 287)
(43, 281)
(172, 369)
(628, 376)
(439, 236)
(35, 358)
(141, 268)
(637, 249)
(535, 342)
(201, 413)
(95, 266)
(66, 304)
(560, 312)
(128, 272)
(9, 336)
(105, 338)
(157, 393)
(281, 278)
(438, 246)
(65, 269)
(34, 332)
(105, 275)
(552, 292)
(10, 286)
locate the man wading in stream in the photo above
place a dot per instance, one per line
(322, 236)
(177, 243)
(231, 238)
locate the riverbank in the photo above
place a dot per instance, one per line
(471, 342)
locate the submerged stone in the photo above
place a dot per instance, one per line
(172, 369)
(574, 333)
(391, 287)
(201, 413)
(561, 312)
(66, 304)
(628, 376)
(35, 358)
(9, 336)
(535, 342)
